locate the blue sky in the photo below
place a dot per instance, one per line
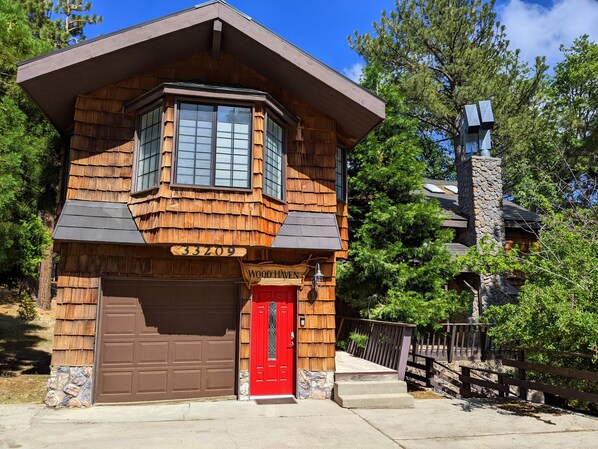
(321, 27)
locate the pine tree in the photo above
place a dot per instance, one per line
(444, 54)
(398, 265)
(29, 146)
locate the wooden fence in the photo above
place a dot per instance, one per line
(469, 382)
(381, 342)
(427, 372)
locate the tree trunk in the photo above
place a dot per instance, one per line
(44, 291)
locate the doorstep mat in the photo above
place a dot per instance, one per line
(275, 401)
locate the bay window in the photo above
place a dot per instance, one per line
(274, 160)
(213, 145)
(149, 136)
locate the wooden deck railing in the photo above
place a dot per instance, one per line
(457, 341)
(382, 342)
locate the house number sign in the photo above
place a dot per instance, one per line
(208, 250)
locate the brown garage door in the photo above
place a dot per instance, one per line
(163, 340)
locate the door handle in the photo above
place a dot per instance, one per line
(292, 339)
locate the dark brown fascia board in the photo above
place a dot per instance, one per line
(212, 93)
(70, 58)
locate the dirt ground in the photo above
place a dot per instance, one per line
(25, 349)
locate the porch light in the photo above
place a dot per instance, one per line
(318, 277)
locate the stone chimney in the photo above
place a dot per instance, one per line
(479, 179)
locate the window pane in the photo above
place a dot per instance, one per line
(207, 132)
(232, 141)
(194, 131)
(149, 149)
(274, 159)
(272, 330)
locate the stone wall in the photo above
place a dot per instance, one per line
(70, 386)
(243, 385)
(481, 200)
(315, 384)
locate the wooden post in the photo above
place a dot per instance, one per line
(340, 328)
(429, 371)
(449, 351)
(501, 394)
(483, 343)
(521, 374)
(466, 386)
(404, 351)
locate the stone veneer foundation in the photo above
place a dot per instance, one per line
(315, 384)
(480, 198)
(70, 386)
(311, 385)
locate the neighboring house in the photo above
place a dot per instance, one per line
(503, 220)
(201, 145)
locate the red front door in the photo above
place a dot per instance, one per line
(273, 340)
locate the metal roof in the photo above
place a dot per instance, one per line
(54, 80)
(456, 249)
(309, 230)
(98, 222)
(514, 215)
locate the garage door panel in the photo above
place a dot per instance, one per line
(187, 352)
(119, 323)
(120, 383)
(155, 381)
(113, 353)
(219, 351)
(153, 352)
(192, 322)
(216, 379)
(186, 380)
(154, 320)
(169, 340)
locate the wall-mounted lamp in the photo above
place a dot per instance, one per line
(302, 320)
(318, 277)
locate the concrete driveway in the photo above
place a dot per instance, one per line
(432, 424)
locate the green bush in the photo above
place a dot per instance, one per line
(27, 307)
(359, 339)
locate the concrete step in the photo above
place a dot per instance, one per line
(369, 387)
(388, 401)
(384, 375)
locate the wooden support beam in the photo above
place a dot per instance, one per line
(216, 39)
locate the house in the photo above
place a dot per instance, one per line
(477, 209)
(203, 209)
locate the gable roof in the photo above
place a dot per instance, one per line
(514, 215)
(54, 80)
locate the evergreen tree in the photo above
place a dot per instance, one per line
(29, 146)
(398, 265)
(444, 54)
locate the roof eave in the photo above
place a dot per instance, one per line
(287, 63)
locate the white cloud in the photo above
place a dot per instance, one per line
(353, 72)
(539, 30)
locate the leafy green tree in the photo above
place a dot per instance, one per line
(574, 103)
(398, 264)
(444, 54)
(556, 308)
